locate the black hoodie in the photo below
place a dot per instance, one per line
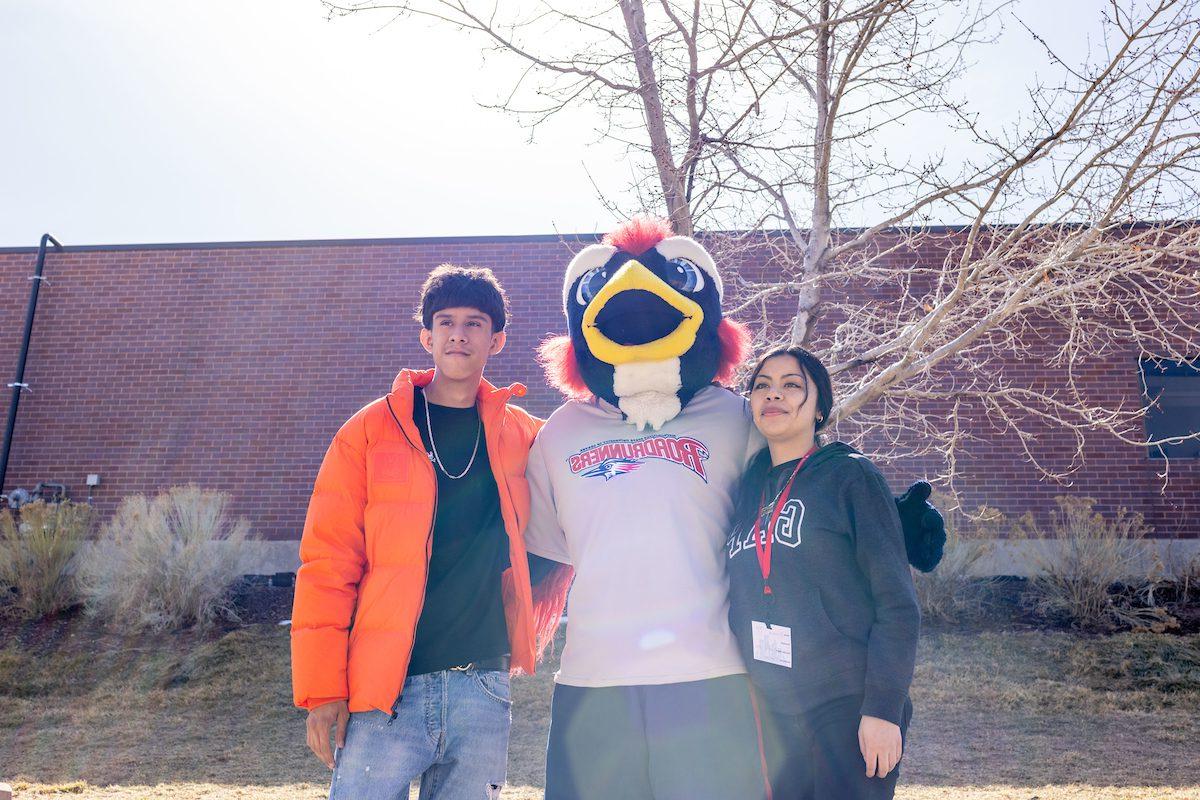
(839, 581)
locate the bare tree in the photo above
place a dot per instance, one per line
(758, 116)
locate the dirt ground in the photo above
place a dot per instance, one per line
(1019, 715)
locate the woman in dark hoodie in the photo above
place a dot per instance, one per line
(821, 597)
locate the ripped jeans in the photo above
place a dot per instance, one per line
(449, 729)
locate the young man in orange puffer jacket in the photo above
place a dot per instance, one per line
(413, 600)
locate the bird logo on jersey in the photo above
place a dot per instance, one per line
(612, 468)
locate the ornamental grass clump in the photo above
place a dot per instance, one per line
(166, 563)
(38, 547)
(1096, 578)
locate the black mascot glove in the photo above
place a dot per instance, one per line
(924, 528)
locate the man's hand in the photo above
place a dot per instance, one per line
(881, 745)
(320, 720)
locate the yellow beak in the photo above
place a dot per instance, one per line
(632, 275)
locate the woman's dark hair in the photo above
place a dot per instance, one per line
(449, 286)
(816, 372)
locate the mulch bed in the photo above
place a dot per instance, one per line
(261, 599)
(258, 600)
(255, 601)
(1002, 610)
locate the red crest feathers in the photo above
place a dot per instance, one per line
(557, 357)
(735, 349)
(639, 234)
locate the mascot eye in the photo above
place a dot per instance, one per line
(589, 284)
(684, 276)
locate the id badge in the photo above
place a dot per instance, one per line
(772, 643)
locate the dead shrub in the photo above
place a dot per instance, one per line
(37, 550)
(1096, 579)
(1185, 577)
(952, 592)
(158, 565)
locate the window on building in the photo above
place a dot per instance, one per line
(1172, 389)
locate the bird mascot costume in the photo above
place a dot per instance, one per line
(632, 484)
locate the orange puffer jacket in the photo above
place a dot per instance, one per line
(367, 541)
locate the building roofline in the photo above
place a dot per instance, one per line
(288, 243)
(452, 240)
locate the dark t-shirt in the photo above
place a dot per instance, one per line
(463, 616)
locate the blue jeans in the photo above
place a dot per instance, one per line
(449, 728)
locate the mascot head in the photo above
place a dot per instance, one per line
(646, 331)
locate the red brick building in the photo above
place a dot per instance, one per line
(231, 365)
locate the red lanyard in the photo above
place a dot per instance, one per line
(765, 537)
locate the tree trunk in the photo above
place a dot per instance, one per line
(808, 305)
(660, 144)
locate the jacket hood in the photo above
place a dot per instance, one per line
(759, 469)
(830, 452)
(488, 394)
(761, 463)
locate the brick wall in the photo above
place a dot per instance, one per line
(232, 366)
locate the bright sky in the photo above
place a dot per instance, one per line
(136, 121)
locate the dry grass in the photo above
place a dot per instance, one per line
(1168, 665)
(999, 715)
(155, 565)
(37, 549)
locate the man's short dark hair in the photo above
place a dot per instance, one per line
(449, 286)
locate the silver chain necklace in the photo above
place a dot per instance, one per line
(433, 453)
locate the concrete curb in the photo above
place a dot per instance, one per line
(1005, 557)
(1019, 557)
(1022, 557)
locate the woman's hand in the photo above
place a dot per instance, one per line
(881, 745)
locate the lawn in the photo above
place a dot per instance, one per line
(1016, 715)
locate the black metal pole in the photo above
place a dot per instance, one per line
(19, 382)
